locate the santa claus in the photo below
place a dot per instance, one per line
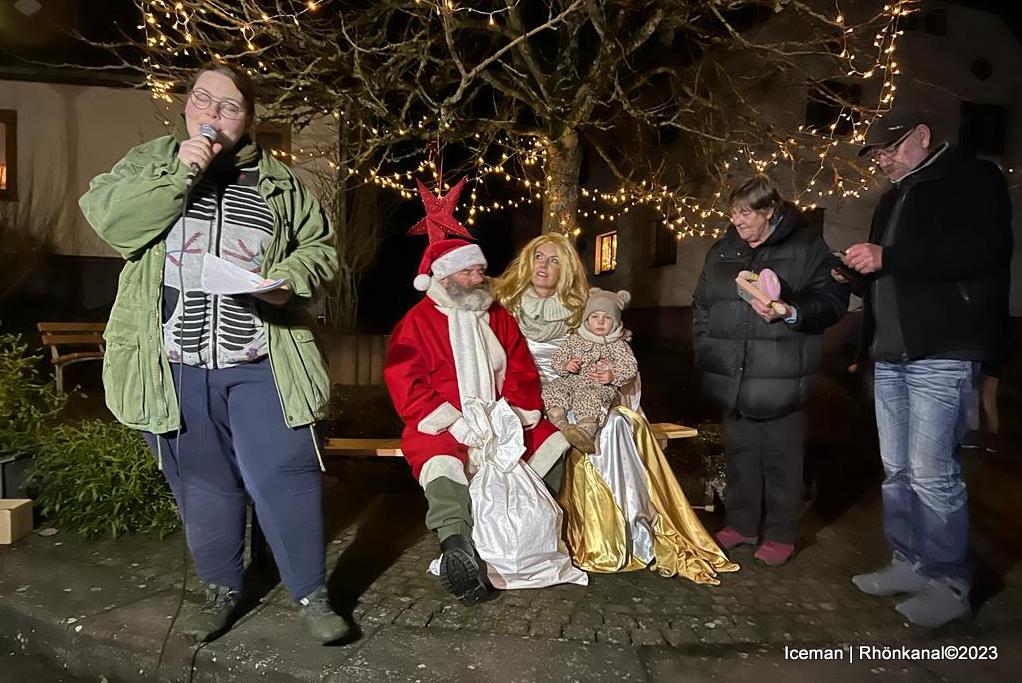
(454, 362)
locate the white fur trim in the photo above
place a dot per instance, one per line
(442, 417)
(442, 466)
(529, 418)
(421, 282)
(458, 259)
(548, 453)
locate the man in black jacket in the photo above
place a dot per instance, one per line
(759, 362)
(935, 275)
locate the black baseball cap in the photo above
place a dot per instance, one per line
(891, 128)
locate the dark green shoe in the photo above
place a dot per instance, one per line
(213, 617)
(320, 619)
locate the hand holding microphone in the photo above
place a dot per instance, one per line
(198, 151)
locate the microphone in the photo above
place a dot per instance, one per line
(210, 133)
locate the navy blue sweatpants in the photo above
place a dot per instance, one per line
(235, 445)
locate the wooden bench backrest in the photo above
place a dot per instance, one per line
(71, 327)
(55, 335)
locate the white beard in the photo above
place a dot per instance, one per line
(474, 299)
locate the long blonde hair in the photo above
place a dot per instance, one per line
(572, 286)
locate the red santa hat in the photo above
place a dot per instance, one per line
(446, 257)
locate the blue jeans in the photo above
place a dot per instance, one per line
(921, 409)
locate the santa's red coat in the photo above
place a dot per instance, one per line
(421, 377)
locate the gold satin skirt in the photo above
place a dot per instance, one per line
(594, 526)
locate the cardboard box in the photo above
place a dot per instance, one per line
(15, 519)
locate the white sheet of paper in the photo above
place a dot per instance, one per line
(223, 277)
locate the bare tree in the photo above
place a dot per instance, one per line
(525, 88)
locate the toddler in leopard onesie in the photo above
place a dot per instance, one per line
(583, 361)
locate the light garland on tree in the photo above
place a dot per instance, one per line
(168, 30)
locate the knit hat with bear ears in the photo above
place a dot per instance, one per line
(608, 302)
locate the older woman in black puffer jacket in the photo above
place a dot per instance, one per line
(758, 362)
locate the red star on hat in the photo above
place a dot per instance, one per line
(440, 221)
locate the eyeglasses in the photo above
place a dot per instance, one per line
(228, 109)
(891, 149)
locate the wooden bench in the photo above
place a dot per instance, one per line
(85, 340)
(663, 431)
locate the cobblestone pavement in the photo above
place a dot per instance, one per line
(810, 600)
(103, 607)
(380, 554)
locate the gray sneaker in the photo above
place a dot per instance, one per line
(897, 577)
(325, 625)
(214, 616)
(938, 603)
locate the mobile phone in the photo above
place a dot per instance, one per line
(839, 265)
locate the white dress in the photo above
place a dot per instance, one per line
(617, 460)
(624, 508)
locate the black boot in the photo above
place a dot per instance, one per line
(214, 616)
(462, 571)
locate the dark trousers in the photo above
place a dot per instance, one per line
(764, 472)
(234, 445)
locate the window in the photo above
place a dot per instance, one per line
(665, 245)
(982, 127)
(8, 154)
(275, 138)
(932, 21)
(606, 253)
(831, 106)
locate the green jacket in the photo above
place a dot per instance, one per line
(132, 207)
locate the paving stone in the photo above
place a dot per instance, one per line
(642, 636)
(680, 637)
(414, 617)
(650, 623)
(714, 636)
(579, 632)
(519, 627)
(621, 621)
(615, 636)
(541, 629)
(591, 619)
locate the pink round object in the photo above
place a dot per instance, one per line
(769, 284)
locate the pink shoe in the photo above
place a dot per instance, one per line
(774, 554)
(728, 538)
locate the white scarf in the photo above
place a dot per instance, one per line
(542, 318)
(479, 359)
(480, 363)
(618, 332)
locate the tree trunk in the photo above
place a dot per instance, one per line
(342, 300)
(560, 198)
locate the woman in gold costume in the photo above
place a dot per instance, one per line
(624, 509)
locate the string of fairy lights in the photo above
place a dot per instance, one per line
(809, 153)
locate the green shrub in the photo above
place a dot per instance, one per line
(97, 477)
(29, 404)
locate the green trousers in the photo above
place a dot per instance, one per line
(449, 505)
